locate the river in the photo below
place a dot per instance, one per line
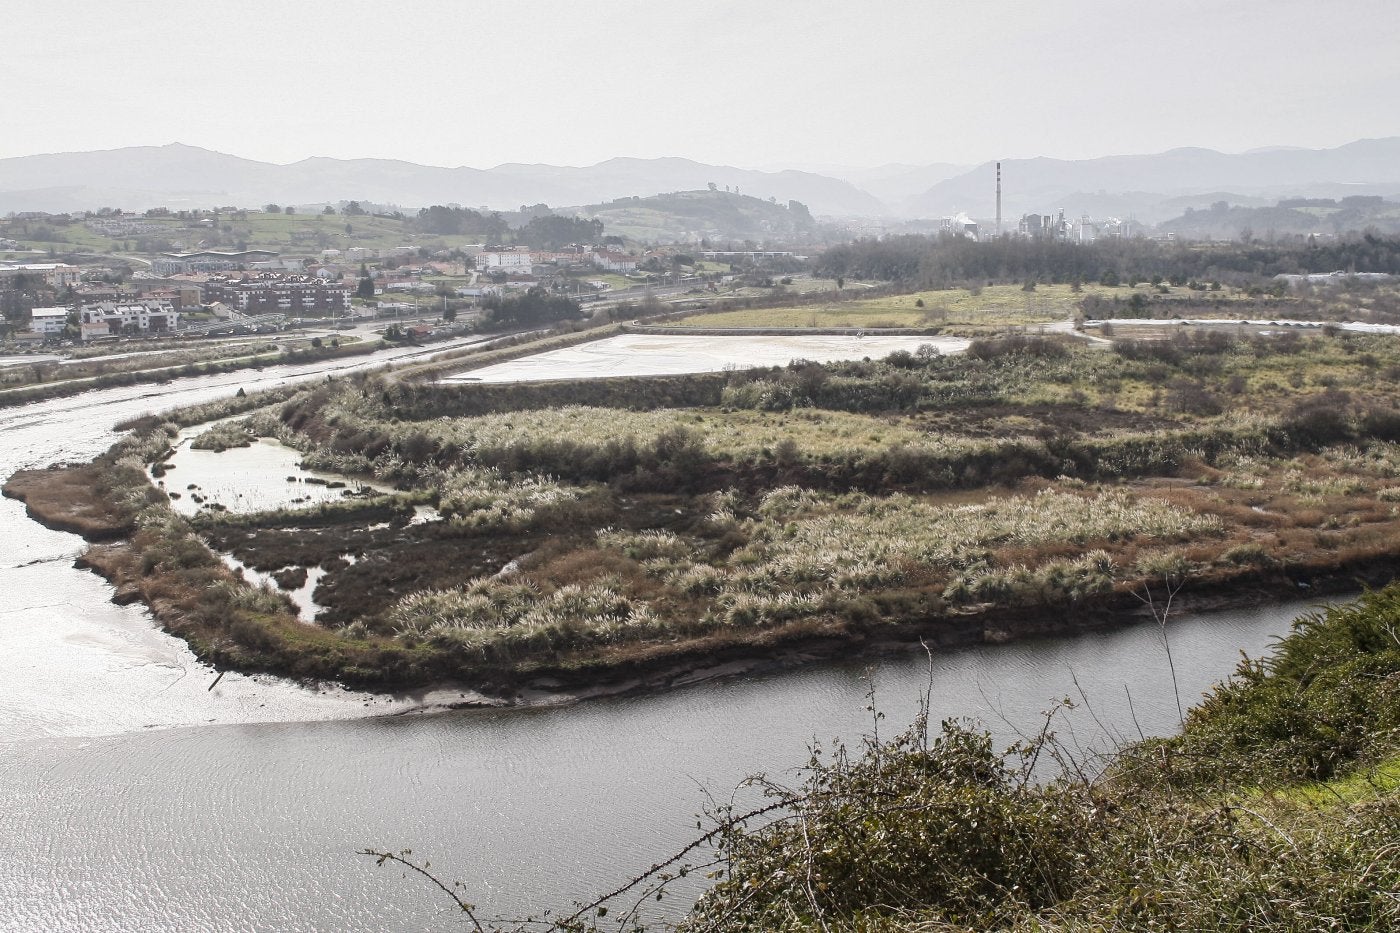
(133, 797)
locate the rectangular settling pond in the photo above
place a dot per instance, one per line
(668, 355)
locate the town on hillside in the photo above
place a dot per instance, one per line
(109, 274)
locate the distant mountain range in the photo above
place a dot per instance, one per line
(1151, 188)
(1159, 186)
(179, 176)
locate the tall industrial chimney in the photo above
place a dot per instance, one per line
(998, 199)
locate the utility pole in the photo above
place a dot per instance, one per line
(998, 199)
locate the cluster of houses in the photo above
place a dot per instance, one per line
(206, 261)
(498, 267)
(52, 274)
(103, 319)
(277, 292)
(528, 261)
(249, 283)
(511, 260)
(110, 318)
(98, 310)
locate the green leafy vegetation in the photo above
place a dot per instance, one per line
(222, 437)
(1292, 216)
(949, 260)
(533, 307)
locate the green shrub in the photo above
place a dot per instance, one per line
(1328, 697)
(222, 437)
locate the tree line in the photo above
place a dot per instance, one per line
(535, 305)
(945, 260)
(543, 231)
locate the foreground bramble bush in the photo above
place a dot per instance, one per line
(946, 835)
(945, 822)
(948, 838)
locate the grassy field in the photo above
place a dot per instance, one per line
(995, 305)
(75, 237)
(640, 223)
(737, 434)
(308, 232)
(960, 309)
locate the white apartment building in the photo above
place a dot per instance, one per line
(54, 274)
(48, 320)
(505, 261)
(148, 316)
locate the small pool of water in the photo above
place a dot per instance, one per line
(303, 597)
(264, 476)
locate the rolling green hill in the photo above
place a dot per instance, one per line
(695, 215)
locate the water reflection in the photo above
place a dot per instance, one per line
(264, 476)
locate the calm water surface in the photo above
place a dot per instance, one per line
(134, 798)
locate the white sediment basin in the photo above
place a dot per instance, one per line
(666, 355)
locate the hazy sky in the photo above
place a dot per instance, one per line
(758, 83)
